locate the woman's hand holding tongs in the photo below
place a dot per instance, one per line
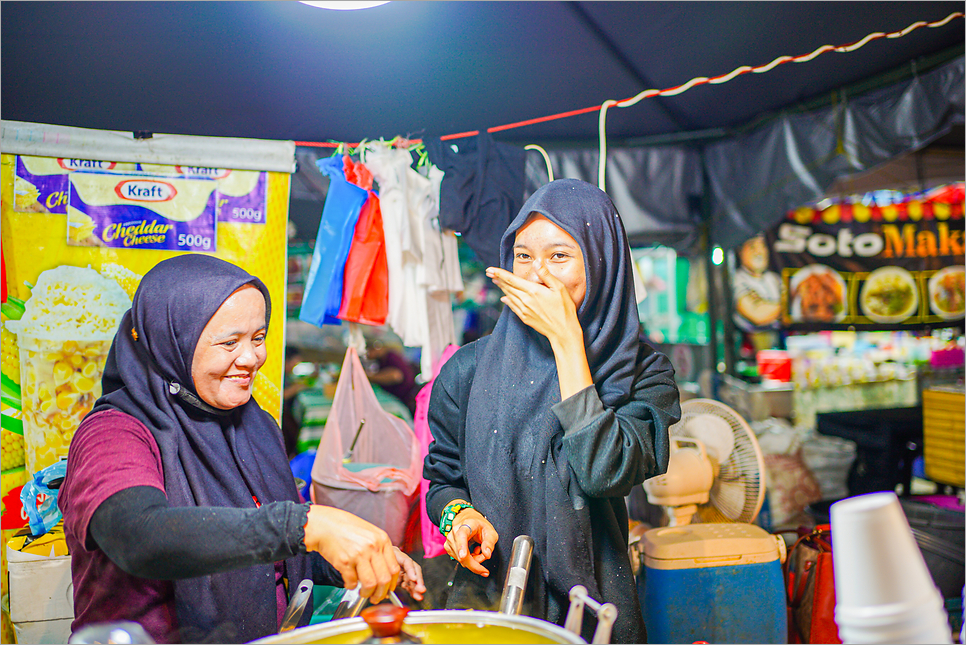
(471, 528)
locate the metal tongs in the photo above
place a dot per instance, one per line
(352, 603)
(296, 606)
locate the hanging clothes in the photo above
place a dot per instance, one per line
(365, 290)
(422, 259)
(441, 248)
(322, 299)
(482, 190)
(437, 331)
(441, 275)
(389, 167)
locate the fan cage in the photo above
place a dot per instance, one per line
(738, 491)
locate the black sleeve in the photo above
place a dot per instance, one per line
(145, 537)
(612, 450)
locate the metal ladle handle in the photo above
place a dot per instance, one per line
(347, 457)
(511, 603)
(606, 614)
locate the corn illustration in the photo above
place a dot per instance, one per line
(267, 396)
(11, 355)
(60, 375)
(13, 450)
(10, 479)
(127, 279)
(59, 388)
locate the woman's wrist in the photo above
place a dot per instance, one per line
(450, 512)
(568, 337)
(573, 370)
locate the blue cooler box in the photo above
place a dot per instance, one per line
(718, 583)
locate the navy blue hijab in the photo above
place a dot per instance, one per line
(210, 457)
(514, 438)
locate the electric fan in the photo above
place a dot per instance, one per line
(716, 472)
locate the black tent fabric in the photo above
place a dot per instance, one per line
(754, 178)
(757, 177)
(727, 152)
(288, 71)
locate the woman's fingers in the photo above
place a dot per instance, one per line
(549, 279)
(360, 551)
(349, 578)
(386, 569)
(458, 538)
(489, 540)
(395, 569)
(411, 575)
(473, 562)
(367, 579)
(458, 546)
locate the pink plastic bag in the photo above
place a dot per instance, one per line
(386, 455)
(433, 540)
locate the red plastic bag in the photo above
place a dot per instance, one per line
(810, 589)
(365, 292)
(386, 453)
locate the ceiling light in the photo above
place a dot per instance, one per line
(345, 5)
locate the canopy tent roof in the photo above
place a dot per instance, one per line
(731, 153)
(285, 70)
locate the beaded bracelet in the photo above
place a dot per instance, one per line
(450, 511)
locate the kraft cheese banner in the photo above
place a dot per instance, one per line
(883, 261)
(41, 185)
(77, 270)
(141, 211)
(241, 193)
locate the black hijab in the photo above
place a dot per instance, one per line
(513, 439)
(210, 457)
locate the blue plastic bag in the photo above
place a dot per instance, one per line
(323, 286)
(39, 498)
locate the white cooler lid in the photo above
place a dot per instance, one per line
(708, 545)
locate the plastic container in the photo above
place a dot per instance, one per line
(60, 381)
(390, 509)
(719, 583)
(774, 364)
(829, 459)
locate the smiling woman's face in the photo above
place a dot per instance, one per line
(231, 350)
(540, 241)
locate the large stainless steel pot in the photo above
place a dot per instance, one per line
(467, 625)
(438, 626)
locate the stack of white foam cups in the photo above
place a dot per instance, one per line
(883, 590)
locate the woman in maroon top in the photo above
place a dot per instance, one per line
(180, 510)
